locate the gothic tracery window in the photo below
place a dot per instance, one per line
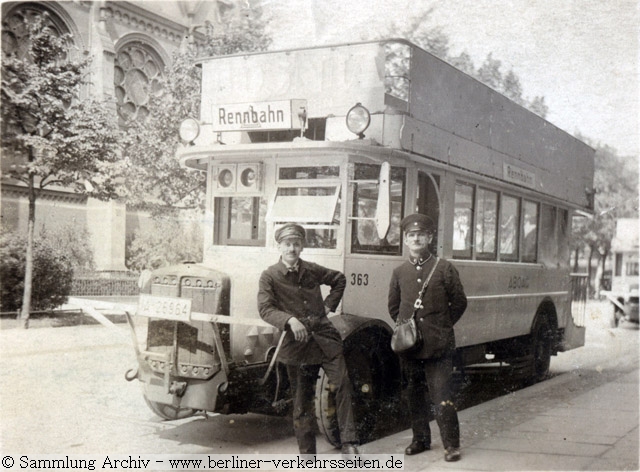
(137, 72)
(14, 28)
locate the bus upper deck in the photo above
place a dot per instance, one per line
(417, 103)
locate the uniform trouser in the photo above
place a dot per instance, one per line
(303, 380)
(429, 382)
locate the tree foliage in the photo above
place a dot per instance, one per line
(616, 196)
(73, 240)
(154, 178)
(166, 241)
(434, 40)
(48, 134)
(52, 268)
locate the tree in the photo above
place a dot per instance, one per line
(166, 241)
(616, 186)
(434, 40)
(538, 106)
(51, 137)
(490, 74)
(512, 88)
(154, 179)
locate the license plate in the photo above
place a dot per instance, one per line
(168, 308)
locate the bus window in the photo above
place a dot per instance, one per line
(309, 173)
(316, 208)
(509, 226)
(548, 248)
(529, 231)
(364, 236)
(315, 205)
(240, 221)
(563, 236)
(463, 221)
(487, 224)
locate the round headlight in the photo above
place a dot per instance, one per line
(225, 178)
(248, 177)
(358, 119)
(189, 130)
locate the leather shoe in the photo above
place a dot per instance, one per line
(452, 454)
(416, 447)
(350, 448)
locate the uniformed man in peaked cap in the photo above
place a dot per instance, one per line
(290, 299)
(441, 306)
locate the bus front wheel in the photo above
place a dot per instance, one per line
(374, 374)
(169, 412)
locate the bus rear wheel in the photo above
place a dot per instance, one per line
(541, 347)
(169, 412)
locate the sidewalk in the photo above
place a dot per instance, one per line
(528, 430)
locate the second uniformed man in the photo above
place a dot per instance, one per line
(429, 370)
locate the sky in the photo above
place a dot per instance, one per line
(581, 55)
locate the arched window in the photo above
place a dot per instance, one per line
(14, 27)
(138, 69)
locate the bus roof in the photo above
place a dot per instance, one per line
(447, 115)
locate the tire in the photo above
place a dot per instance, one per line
(375, 378)
(169, 412)
(542, 339)
(326, 414)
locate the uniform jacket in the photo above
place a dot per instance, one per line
(443, 303)
(283, 294)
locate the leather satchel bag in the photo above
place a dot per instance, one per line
(407, 337)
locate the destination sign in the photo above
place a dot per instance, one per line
(518, 175)
(257, 116)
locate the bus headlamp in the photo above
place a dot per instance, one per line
(358, 120)
(248, 177)
(225, 178)
(189, 130)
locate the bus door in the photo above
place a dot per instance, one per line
(428, 203)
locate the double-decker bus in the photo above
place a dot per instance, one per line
(346, 140)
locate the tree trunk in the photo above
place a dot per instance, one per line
(589, 269)
(28, 270)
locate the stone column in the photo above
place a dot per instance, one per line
(106, 224)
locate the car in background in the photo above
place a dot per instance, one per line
(624, 281)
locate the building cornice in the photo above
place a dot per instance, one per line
(11, 190)
(144, 20)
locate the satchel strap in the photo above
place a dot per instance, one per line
(418, 303)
